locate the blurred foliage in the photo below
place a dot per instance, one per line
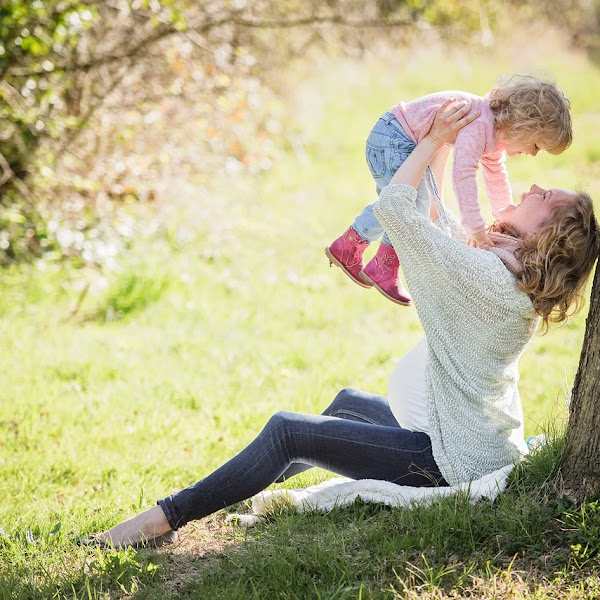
(579, 18)
(128, 293)
(86, 85)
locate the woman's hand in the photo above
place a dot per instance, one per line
(450, 118)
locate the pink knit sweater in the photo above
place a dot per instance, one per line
(476, 143)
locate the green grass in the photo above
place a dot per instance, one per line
(230, 312)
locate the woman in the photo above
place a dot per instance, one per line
(454, 412)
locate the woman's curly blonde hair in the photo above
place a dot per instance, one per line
(558, 259)
(528, 108)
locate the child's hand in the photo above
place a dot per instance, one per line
(479, 240)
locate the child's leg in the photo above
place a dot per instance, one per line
(347, 251)
(383, 270)
(387, 147)
(366, 223)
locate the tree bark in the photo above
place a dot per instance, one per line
(581, 466)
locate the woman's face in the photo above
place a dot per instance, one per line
(536, 207)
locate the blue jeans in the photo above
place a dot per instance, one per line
(357, 436)
(388, 146)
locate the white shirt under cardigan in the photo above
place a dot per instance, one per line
(477, 324)
(407, 390)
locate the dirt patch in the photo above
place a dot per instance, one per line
(200, 546)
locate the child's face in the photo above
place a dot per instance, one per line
(521, 146)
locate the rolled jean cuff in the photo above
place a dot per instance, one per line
(168, 507)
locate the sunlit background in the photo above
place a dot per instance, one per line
(171, 173)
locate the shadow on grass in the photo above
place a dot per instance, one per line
(36, 567)
(530, 542)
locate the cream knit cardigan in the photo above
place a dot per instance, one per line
(477, 324)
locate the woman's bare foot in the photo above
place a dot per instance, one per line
(146, 526)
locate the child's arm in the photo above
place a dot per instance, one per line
(438, 166)
(469, 147)
(495, 179)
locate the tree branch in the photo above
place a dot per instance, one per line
(89, 113)
(7, 172)
(167, 30)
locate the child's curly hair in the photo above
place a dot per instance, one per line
(558, 259)
(527, 107)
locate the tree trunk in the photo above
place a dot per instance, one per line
(581, 467)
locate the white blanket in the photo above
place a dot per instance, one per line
(341, 491)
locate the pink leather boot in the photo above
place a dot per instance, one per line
(382, 273)
(347, 253)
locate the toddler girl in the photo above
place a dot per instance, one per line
(522, 115)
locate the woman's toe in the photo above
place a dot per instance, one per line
(93, 541)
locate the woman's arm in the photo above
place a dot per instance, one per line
(438, 168)
(437, 267)
(445, 277)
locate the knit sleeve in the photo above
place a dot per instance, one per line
(469, 147)
(477, 323)
(456, 230)
(495, 179)
(443, 274)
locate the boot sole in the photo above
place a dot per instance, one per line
(334, 261)
(373, 284)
